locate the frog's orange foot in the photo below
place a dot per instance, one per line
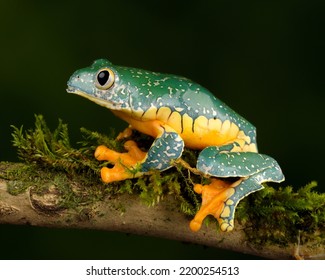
(123, 163)
(126, 133)
(216, 201)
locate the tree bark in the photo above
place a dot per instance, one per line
(126, 213)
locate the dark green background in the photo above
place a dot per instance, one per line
(263, 58)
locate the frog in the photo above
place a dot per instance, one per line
(177, 113)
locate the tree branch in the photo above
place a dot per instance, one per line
(126, 213)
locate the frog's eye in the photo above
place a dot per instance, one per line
(105, 78)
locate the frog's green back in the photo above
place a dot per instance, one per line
(156, 90)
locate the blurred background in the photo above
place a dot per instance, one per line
(264, 59)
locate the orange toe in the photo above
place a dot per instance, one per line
(126, 133)
(104, 153)
(195, 225)
(134, 151)
(117, 173)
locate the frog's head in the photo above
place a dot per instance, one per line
(100, 84)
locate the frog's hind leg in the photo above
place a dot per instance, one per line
(168, 146)
(220, 199)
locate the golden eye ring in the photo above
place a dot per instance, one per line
(104, 78)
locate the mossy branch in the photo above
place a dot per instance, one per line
(59, 186)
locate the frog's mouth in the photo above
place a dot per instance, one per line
(99, 101)
(71, 89)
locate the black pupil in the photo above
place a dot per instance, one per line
(103, 77)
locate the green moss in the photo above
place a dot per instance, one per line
(275, 216)
(280, 215)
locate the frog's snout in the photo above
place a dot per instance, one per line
(74, 79)
(80, 82)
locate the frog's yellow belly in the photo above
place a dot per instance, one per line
(197, 134)
(205, 132)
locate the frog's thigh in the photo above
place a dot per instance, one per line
(167, 146)
(216, 161)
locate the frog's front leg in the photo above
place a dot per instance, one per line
(220, 197)
(167, 146)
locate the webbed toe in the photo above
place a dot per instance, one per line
(216, 201)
